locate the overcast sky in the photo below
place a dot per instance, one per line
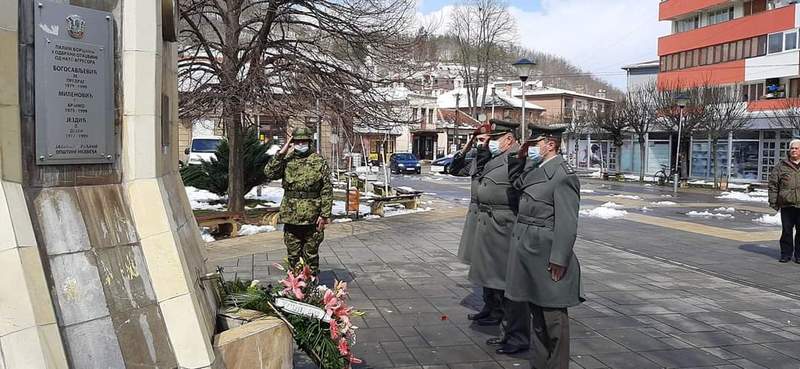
(599, 36)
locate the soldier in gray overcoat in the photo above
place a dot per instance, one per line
(463, 168)
(542, 267)
(492, 239)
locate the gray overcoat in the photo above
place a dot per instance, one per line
(495, 221)
(465, 245)
(544, 233)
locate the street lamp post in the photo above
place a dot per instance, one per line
(681, 100)
(455, 121)
(523, 67)
(494, 99)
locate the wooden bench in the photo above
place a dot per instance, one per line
(409, 201)
(224, 223)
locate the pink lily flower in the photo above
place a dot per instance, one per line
(334, 330)
(307, 275)
(293, 285)
(344, 348)
(331, 302)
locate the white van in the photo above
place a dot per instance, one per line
(202, 149)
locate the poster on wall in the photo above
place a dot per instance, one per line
(74, 85)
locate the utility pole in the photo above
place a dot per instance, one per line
(455, 121)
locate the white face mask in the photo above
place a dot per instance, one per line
(301, 148)
(494, 147)
(534, 153)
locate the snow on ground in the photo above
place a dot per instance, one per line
(630, 197)
(725, 210)
(645, 209)
(200, 199)
(664, 203)
(437, 168)
(250, 229)
(405, 189)
(587, 191)
(706, 214)
(271, 194)
(391, 211)
(342, 220)
(371, 216)
(206, 235)
(596, 174)
(741, 196)
(774, 220)
(608, 210)
(666, 196)
(339, 208)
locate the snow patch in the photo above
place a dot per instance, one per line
(587, 191)
(773, 220)
(342, 220)
(339, 208)
(206, 235)
(706, 214)
(200, 199)
(372, 216)
(645, 209)
(270, 194)
(608, 210)
(741, 196)
(725, 210)
(250, 229)
(630, 197)
(664, 203)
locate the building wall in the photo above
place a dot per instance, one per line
(638, 78)
(553, 105)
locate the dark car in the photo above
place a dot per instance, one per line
(447, 160)
(404, 163)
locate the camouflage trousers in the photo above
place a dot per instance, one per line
(302, 241)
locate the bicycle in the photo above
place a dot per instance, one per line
(662, 177)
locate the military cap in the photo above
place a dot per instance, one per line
(549, 131)
(501, 127)
(483, 129)
(302, 134)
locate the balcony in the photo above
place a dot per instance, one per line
(776, 20)
(671, 9)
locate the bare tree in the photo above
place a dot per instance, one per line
(693, 114)
(287, 56)
(786, 113)
(613, 122)
(726, 113)
(483, 29)
(641, 114)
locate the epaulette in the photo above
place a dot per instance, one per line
(567, 168)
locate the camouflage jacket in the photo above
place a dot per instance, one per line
(308, 192)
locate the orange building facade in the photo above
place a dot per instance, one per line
(752, 46)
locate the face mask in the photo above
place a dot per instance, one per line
(301, 148)
(534, 153)
(494, 147)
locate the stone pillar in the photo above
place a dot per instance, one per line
(101, 262)
(29, 335)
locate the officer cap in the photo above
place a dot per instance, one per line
(483, 129)
(550, 131)
(302, 134)
(501, 127)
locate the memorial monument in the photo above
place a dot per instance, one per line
(102, 263)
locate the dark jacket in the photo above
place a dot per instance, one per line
(784, 185)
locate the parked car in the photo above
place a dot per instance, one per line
(202, 149)
(446, 161)
(404, 162)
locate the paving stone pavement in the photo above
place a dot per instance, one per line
(641, 313)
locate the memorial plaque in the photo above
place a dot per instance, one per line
(74, 85)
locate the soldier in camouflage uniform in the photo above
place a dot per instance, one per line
(307, 199)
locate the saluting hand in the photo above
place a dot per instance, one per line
(287, 146)
(556, 271)
(523, 151)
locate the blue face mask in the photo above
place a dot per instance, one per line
(534, 153)
(494, 147)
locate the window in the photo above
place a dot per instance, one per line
(747, 44)
(687, 24)
(663, 64)
(740, 49)
(718, 54)
(790, 41)
(762, 46)
(710, 55)
(719, 16)
(703, 56)
(696, 58)
(775, 44)
(732, 51)
(794, 87)
(725, 53)
(754, 91)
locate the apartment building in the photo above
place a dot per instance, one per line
(748, 45)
